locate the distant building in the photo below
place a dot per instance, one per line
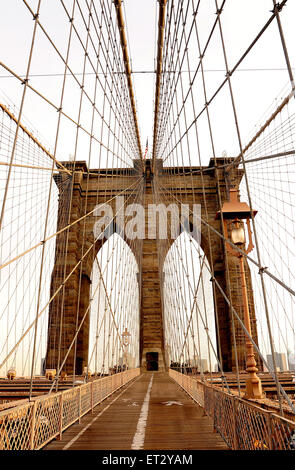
(195, 361)
(204, 364)
(281, 361)
(201, 364)
(130, 361)
(291, 361)
(284, 362)
(42, 372)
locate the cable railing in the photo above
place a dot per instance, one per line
(32, 425)
(242, 425)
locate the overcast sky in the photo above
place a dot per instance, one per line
(260, 81)
(254, 90)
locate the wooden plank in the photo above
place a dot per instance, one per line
(169, 426)
(178, 426)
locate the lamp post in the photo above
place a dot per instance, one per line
(126, 341)
(233, 213)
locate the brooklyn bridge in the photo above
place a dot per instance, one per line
(146, 283)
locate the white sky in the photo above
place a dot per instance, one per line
(255, 90)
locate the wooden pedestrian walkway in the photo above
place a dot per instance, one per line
(152, 412)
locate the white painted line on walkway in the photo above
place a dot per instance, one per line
(96, 417)
(138, 439)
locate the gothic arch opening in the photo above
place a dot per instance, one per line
(188, 307)
(114, 316)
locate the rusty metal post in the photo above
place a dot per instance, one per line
(60, 416)
(213, 410)
(235, 422)
(269, 424)
(92, 402)
(33, 423)
(79, 404)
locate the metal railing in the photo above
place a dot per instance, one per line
(32, 425)
(242, 425)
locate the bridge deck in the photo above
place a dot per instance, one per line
(134, 419)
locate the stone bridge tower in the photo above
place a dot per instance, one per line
(82, 192)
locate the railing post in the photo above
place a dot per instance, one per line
(269, 425)
(79, 398)
(33, 422)
(213, 410)
(61, 405)
(235, 422)
(92, 401)
(100, 390)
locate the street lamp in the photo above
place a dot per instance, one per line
(233, 212)
(126, 341)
